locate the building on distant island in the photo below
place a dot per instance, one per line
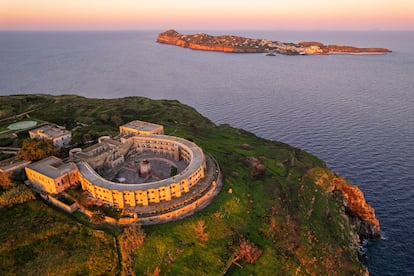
(141, 170)
(58, 135)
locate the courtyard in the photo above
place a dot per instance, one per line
(162, 167)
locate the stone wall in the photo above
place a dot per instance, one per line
(68, 208)
(192, 207)
(185, 211)
(122, 221)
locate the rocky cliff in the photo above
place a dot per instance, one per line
(360, 214)
(237, 44)
(229, 44)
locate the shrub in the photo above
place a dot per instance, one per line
(248, 252)
(173, 171)
(15, 195)
(33, 150)
(98, 217)
(130, 240)
(6, 180)
(199, 231)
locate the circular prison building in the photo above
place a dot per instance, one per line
(158, 177)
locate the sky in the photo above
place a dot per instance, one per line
(210, 14)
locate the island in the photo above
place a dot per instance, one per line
(280, 210)
(237, 44)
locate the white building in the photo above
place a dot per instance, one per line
(60, 137)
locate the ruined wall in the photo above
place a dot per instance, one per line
(105, 155)
(68, 208)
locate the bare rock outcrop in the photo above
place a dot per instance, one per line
(361, 215)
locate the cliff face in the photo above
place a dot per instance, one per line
(207, 42)
(237, 44)
(360, 214)
(169, 37)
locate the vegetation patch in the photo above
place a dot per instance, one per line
(37, 240)
(16, 195)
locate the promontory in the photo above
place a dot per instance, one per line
(281, 210)
(238, 44)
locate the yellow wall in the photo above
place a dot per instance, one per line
(127, 130)
(122, 199)
(50, 185)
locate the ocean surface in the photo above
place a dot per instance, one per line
(356, 112)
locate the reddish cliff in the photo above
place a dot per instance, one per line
(207, 42)
(237, 44)
(169, 37)
(361, 215)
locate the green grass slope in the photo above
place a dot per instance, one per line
(297, 226)
(35, 239)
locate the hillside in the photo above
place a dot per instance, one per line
(281, 210)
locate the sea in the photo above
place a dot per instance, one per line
(356, 112)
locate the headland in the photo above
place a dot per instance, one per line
(238, 44)
(280, 209)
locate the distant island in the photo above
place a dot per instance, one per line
(238, 44)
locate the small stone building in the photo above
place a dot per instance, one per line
(14, 166)
(141, 128)
(59, 136)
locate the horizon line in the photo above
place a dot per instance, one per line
(194, 30)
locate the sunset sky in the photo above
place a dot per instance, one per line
(212, 14)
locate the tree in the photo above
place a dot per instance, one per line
(116, 120)
(18, 176)
(98, 217)
(33, 150)
(6, 180)
(247, 251)
(173, 170)
(199, 231)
